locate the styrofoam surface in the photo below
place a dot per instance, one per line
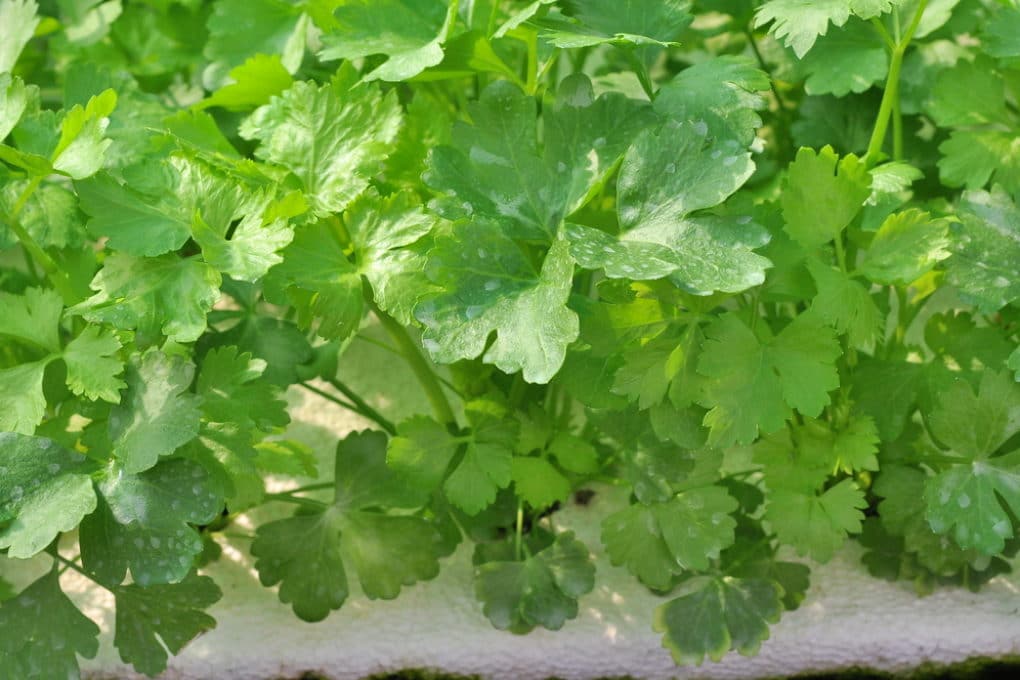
(849, 619)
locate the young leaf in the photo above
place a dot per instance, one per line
(906, 246)
(333, 138)
(816, 525)
(44, 632)
(19, 20)
(752, 385)
(151, 621)
(846, 304)
(821, 196)
(45, 489)
(93, 367)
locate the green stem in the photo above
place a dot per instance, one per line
(884, 33)
(419, 365)
(897, 126)
(367, 409)
(892, 86)
(531, 85)
(519, 531)
(330, 397)
(642, 74)
(296, 500)
(310, 487)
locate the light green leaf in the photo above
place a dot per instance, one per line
(975, 425)
(44, 633)
(618, 22)
(32, 317)
(17, 26)
(1013, 363)
(821, 198)
(487, 466)
(255, 83)
(144, 523)
(252, 249)
(816, 525)
(22, 402)
(489, 286)
(973, 158)
(151, 621)
(715, 615)
(82, 144)
(158, 296)
(232, 391)
(333, 138)
(158, 413)
(907, 245)
(380, 229)
(14, 97)
(986, 250)
(538, 482)
(44, 488)
(409, 32)
(846, 304)
(798, 23)
(1001, 35)
(752, 385)
(93, 367)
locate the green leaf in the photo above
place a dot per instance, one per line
(255, 83)
(984, 104)
(93, 367)
(239, 29)
(1013, 363)
(848, 59)
(18, 21)
(252, 249)
(816, 525)
(302, 554)
(82, 145)
(487, 466)
(907, 245)
(538, 482)
(389, 551)
(626, 23)
(887, 391)
(976, 425)
(715, 615)
(44, 488)
(22, 402)
(134, 223)
(332, 138)
(1001, 36)
(752, 385)
(409, 32)
(573, 453)
(143, 523)
(232, 391)
(151, 621)
(44, 633)
(496, 173)
(540, 591)
(799, 23)
(725, 92)
(821, 197)
(158, 414)
(846, 304)
(489, 286)
(973, 158)
(659, 541)
(32, 317)
(158, 296)
(666, 176)
(986, 248)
